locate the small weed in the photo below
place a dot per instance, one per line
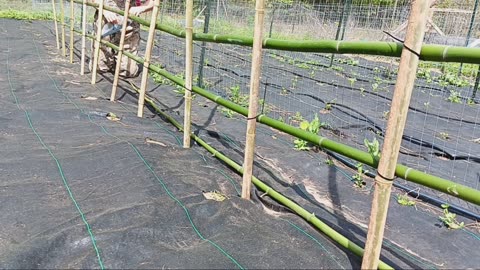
(405, 200)
(329, 162)
(312, 127)
(297, 117)
(373, 148)
(352, 81)
(159, 79)
(328, 106)
(227, 112)
(362, 91)
(444, 135)
(375, 87)
(337, 68)
(237, 97)
(426, 104)
(358, 181)
(303, 65)
(294, 83)
(454, 97)
(470, 102)
(449, 219)
(300, 145)
(385, 114)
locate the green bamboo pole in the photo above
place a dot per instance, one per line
(434, 53)
(440, 184)
(188, 73)
(72, 21)
(407, 74)
(309, 217)
(84, 42)
(255, 73)
(62, 22)
(120, 52)
(148, 54)
(54, 7)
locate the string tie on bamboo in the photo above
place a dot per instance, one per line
(338, 45)
(445, 51)
(389, 180)
(320, 141)
(403, 44)
(253, 118)
(265, 42)
(266, 192)
(407, 172)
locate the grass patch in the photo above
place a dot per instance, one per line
(26, 15)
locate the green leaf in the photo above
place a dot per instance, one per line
(304, 125)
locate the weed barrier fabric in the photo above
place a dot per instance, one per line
(142, 202)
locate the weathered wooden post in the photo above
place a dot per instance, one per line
(395, 126)
(148, 54)
(120, 51)
(188, 73)
(253, 100)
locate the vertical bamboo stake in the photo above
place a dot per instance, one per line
(188, 72)
(56, 23)
(395, 127)
(72, 21)
(62, 22)
(97, 42)
(120, 52)
(253, 100)
(84, 32)
(148, 53)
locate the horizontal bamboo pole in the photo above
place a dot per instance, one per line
(436, 53)
(309, 217)
(407, 173)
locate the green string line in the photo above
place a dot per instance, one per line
(59, 167)
(187, 213)
(146, 164)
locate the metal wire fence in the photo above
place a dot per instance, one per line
(350, 94)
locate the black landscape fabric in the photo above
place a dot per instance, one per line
(84, 183)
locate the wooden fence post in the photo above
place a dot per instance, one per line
(253, 99)
(395, 126)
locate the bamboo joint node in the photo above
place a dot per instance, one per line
(309, 218)
(320, 141)
(265, 42)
